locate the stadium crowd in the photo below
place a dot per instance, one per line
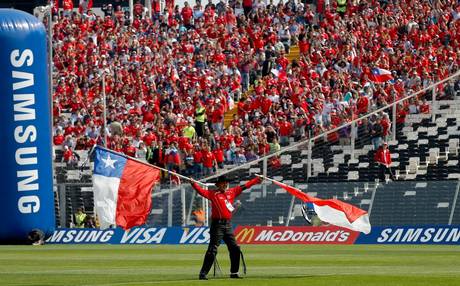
(170, 79)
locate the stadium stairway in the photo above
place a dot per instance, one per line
(294, 53)
(228, 116)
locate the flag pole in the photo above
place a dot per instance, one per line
(150, 165)
(267, 178)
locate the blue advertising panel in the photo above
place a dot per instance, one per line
(200, 235)
(412, 235)
(27, 201)
(138, 235)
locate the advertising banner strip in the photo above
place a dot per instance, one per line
(262, 235)
(440, 234)
(138, 235)
(294, 235)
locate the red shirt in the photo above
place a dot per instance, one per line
(183, 143)
(401, 116)
(58, 139)
(424, 108)
(304, 46)
(362, 104)
(208, 159)
(68, 130)
(222, 202)
(266, 103)
(385, 126)
(68, 154)
(219, 155)
(285, 128)
(383, 156)
(67, 4)
(130, 151)
(148, 116)
(217, 115)
(198, 157)
(187, 13)
(247, 3)
(149, 138)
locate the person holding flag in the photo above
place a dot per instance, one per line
(221, 228)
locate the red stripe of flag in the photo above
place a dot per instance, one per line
(135, 194)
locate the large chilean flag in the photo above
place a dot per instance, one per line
(333, 211)
(122, 189)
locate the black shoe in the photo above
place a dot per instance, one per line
(202, 277)
(235, 276)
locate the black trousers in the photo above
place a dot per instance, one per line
(247, 10)
(199, 128)
(383, 170)
(221, 230)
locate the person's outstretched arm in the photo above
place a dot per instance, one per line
(203, 192)
(238, 190)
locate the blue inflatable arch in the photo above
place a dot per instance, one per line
(26, 182)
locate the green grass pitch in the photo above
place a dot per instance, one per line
(299, 265)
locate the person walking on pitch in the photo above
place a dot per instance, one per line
(221, 228)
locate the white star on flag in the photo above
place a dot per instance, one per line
(109, 162)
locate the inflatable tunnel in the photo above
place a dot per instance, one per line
(26, 182)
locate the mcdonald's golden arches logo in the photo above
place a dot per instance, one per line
(245, 234)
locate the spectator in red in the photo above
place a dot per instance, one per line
(386, 125)
(138, 9)
(424, 107)
(130, 150)
(68, 6)
(247, 7)
(198, 161)
(59, 138)
(217, 118)
(383, 158)
(219, 155)
(173, 160)
(362, 104)
(285, 130)
(70, 157)
(401, 113)
(187, 14)
(209, 161)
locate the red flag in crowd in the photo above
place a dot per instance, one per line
(381, 75)
(67, 4)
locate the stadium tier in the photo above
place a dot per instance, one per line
(210, 88)
(425, 163)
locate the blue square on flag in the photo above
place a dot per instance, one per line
(108, 164)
